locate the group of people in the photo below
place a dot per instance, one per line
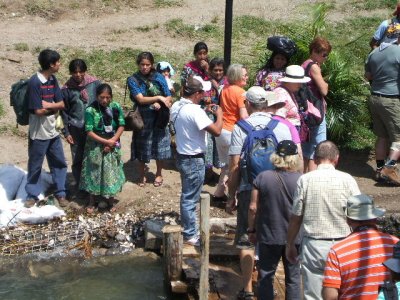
(281, 211)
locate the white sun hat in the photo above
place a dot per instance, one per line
(295, 73)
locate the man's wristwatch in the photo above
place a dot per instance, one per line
(251, 230)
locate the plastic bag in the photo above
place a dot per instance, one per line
(282, 44)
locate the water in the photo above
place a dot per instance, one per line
(111, 277)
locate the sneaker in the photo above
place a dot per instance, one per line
(194, 241)
(391, 173)
(29, 202)
(243, 295)
(62, 201)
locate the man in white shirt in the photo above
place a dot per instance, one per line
(191, 125)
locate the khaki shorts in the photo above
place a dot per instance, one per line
(241, 236)
(385, 114)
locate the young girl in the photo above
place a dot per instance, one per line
(267, 77)
(165, 69)
(102, 167)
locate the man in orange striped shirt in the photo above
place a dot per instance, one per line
(354, 267)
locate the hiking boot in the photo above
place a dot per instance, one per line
(62, 201)
(391, 173)
(30, 202)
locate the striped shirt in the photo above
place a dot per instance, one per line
(354, 265)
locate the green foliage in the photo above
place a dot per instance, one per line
(1, 109)
(21, 47)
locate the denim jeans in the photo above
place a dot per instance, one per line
(192, 170)
(53, 150)
(268, 263)
(317, 135)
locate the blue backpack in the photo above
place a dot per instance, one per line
(257, 149)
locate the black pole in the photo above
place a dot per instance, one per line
(228, 32)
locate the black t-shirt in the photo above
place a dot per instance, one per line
(274, 208)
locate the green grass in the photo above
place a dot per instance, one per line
(168, 3)
(374, 4)
(22, 47)
(147, 28)
(176, 27)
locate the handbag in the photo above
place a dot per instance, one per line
(133, 119)
(132, 116)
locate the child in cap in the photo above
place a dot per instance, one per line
(167, 71)
(390, 290)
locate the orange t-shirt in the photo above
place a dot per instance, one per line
(232, 100)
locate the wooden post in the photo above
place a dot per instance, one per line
(172, 252)
(204, 245)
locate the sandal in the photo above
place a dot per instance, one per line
(111, 207)
(158, 183)
(91, 206)
(142, 182)
(243, 295)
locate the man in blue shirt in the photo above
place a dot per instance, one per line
(385, 29)
(45, 100)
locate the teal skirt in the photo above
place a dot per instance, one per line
(102, 173)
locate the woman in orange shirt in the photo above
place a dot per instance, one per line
(232, 104)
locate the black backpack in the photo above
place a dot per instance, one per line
(19, 101)
(311, 107)
(389, 290)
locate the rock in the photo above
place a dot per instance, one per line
(120, 237)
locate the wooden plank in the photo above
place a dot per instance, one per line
(204, 245)
(179, 287)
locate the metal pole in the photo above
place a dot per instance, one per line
(228, 32)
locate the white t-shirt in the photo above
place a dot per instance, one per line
(191, 138)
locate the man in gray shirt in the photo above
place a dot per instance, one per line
(260, 105)
(382, 68)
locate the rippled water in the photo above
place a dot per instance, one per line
(112, 277)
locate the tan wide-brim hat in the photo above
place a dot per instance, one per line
(362, 207)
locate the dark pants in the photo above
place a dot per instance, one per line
(53, 150)
(269, 258)
(77, 150)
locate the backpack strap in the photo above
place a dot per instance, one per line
(308, 68)
(246, 126)
(272, 124)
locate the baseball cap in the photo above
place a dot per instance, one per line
(196, 84)
(394, 262)
(286, 147)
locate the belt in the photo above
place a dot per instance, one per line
(326, 239)
(200, 155)
(386, 96)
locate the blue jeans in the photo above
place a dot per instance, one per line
(53, 150)
(192, 170)
(317, 135)
(269, 259)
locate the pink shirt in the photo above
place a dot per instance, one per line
(292, 128)
(290, 111)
